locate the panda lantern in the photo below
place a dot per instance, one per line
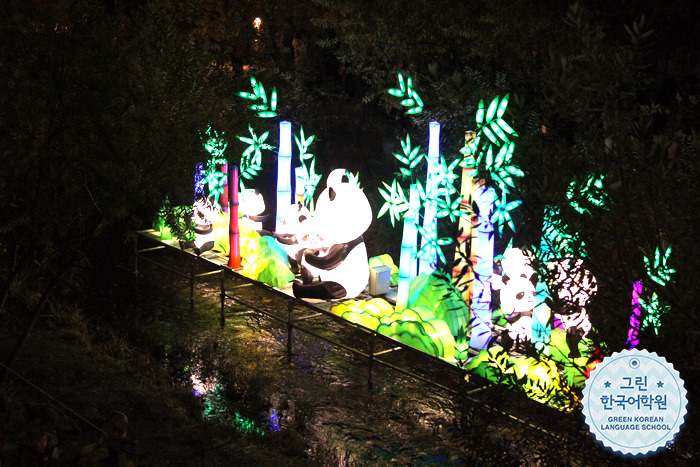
(517, 293)
(252, 208)
(204, 214)
(297, 231)
(342, 215)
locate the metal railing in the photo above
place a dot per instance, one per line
(468, 386)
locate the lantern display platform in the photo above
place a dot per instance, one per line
(216, 263)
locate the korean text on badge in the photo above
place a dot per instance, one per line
(634, 402)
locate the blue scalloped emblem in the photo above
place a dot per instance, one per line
(634, 402)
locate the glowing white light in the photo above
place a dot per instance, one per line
(481, 301)
(257, 22)
(284, 172)
(427, 263)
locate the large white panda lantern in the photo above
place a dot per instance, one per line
(342, 216)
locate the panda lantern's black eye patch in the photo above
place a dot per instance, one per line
(331, 194)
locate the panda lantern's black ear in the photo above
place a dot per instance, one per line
(345, 178)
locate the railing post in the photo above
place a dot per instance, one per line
(371, 359)
(290, 327)
(191, 285)
(223, 299)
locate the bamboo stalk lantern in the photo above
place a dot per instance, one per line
(482, 249)
(284, 172)
(409, 247)
(427, 263)
(234, 256)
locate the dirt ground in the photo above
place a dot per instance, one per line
(94, 386)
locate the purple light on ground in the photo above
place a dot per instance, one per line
(635, 317)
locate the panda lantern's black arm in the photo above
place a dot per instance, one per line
(336, 254)
(260, 218)
(285, 239)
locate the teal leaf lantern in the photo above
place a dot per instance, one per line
(266, 108)
(659, 272)
(410, 97)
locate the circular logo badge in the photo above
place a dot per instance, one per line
(634, 402)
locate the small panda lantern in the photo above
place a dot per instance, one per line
(204, 215)
(517, 293)
(297, 230)
(252, 207)
(342, 215)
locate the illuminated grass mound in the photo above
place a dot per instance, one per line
(575, 370)
(262, 258)
(266, 261)
(436, 292)
(417, 326)
(162, 228)
(540, 379)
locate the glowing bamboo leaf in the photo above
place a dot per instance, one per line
(273, 100)
(419, 101)
(261, 92)
(497, 129)
(414, 110)
(659, 272)
(591, 192)
(480, 112)
(396, 202)
(507, 128)
(509, 155)
(264, 109)
(501, 156)
(513, 170)
(489, 158)
(654, 313)
(431, 245)
(489, 134)
(395, 92)
(502, 107)
(491, 110)
(402, 85)
(414, 153)
(453, 210)
(447, 175)
(407, 102)
(406, 145)
(501, 215)
(401, 159)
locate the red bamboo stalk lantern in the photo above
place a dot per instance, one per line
(234, 254)
(223, 198)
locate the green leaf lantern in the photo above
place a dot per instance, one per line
(410, 97)
(436, 292)
(265, 108)
(659, 272)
